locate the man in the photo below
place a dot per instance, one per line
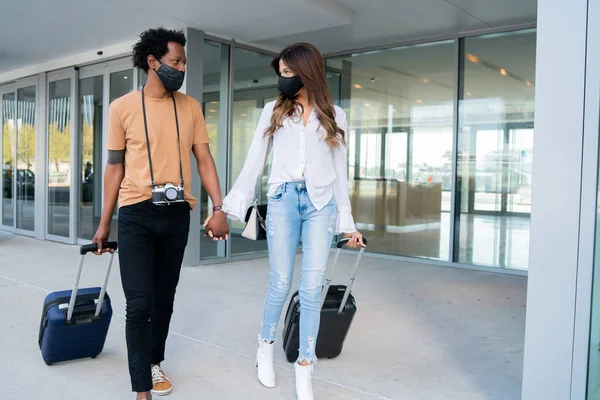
(151, 134)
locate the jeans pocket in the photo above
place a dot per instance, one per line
(278, 195)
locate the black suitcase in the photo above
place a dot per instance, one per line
(338, 307)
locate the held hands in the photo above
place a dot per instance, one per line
(216, 226)
(356, 240)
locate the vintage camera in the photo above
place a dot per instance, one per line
(167, 194)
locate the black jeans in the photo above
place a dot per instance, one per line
(152, 240)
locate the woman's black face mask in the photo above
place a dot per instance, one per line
(289, 87)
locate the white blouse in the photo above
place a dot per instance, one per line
(299, 154)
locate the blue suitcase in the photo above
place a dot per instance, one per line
(75, 322)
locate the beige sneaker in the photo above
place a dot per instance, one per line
(161, 385)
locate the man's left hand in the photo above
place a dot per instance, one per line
(216, 226)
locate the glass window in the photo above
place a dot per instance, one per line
(495, 143)
(593, 383)
(59, 156)
(334, 80)
(255, 84)
(215, 93)
(399, 104)
(593, 389)
(142, 78)
(25, 172)
(90, 135)
(121, 83)
(8, 147)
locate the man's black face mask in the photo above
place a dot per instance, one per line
(171, 78)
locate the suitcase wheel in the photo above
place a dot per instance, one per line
(94, 357)
(48, 363)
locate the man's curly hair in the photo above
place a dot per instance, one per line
(155, 42)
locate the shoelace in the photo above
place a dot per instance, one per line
(158, 376)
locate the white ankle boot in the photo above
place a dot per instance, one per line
(304, 381)
(264, 362)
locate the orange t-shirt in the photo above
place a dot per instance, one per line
(126, 131)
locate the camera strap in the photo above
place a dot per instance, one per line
(148, 140)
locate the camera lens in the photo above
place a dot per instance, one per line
(171, 194)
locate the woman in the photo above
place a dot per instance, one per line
(308, 198)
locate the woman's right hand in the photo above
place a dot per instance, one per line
(356, 240)
(223, 228)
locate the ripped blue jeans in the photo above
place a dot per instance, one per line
(291, 216)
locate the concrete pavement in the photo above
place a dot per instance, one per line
(421, 332)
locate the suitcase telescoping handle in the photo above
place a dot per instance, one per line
(83, 250)
(340, 245)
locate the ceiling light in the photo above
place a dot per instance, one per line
(367, 105)
(372, 80)
(528, 83)
(468, 93)
(125, 77)
(393, 110)
(244, 115)
(357, 86)
(420, 101)
(211, 111)
(425, 80)
(472, 58)
(214, 102)
(502, 71)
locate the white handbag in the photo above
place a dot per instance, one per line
(256, 223)
(256, 215)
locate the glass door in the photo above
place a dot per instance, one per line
(26, 165)
(120, 82)
(99, 85)
(59, 179)
(215, 98)
(19, 104)
(255, 83)
(518, 172)
(502, 169)
(90, 131)
(9, 119)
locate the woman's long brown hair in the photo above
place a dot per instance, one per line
(306, 62)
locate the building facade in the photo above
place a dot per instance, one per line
(440, 143)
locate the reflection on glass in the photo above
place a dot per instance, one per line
(215, 92)
(59, 156)
(593, 389)
(121, 83)
(495, 144)
(142, 78)
(399, 104)
(255, 84)
(25, 173)
(334, 80)
(8, 164)
(90, 134)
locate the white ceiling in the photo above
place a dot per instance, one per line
(43, 30)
